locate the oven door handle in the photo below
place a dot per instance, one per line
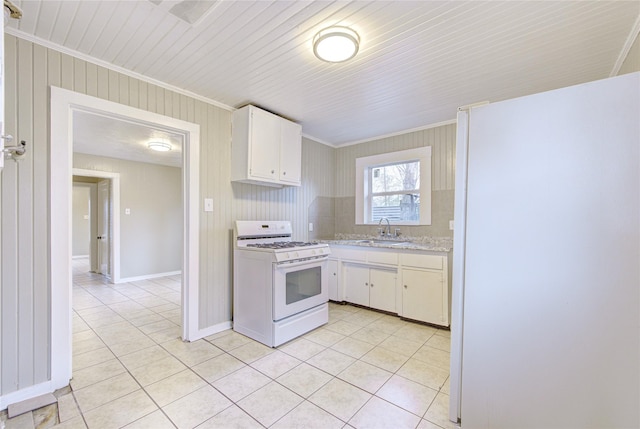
(303, 262)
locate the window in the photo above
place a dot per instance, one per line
(396, 186)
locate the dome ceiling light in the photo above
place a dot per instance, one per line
(336, 44)
(159, 146)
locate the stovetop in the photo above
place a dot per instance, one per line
(274, 237)
(281, 244)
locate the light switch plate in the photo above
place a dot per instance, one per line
(451, 225)
(208, 204)
(127, 211)
(310, 226)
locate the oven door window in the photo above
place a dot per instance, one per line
(299, 287)
(303, 284)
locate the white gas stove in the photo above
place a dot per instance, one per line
(280, 285)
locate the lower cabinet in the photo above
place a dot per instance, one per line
(370, 287)
(333, 282)
(423, 296)
(412, 284)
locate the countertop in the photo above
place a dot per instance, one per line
(431, 244)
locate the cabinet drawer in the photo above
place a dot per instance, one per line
(353, 255)
(388, 258)
(421, 261)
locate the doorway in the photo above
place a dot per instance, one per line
(103, 222)
(63, 105)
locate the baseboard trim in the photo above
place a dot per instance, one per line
(148, 276)
(212, 330)
(26, 393)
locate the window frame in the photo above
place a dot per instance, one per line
(363, 185)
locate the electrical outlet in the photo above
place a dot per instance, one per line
(310, 226)
(451, 225)
(127, 211)
(208, 204)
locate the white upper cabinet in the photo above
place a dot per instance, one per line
(290, 153)
(266, 149)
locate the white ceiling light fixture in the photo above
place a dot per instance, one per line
(159, 146)
(336, 44)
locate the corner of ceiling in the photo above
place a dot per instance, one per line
(633, 35)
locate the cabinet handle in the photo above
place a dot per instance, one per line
(273, 171)
(284, 173)
(366, 283)
(371, 284)
(405, 286)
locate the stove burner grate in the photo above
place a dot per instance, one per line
(281, 244)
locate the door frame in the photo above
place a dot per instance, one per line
(114, 201)
(63, 104)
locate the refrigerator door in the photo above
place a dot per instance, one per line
(548, 299)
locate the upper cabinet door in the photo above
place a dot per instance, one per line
(264, 144)
(265, 149)
(291, 153)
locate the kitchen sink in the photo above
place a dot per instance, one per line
(388, 242)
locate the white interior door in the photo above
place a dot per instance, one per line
(104, 237)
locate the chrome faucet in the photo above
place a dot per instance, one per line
(381, 230)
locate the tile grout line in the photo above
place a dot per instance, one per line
(250, 365)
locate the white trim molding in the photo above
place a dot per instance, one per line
(24, 394)
(148, 277)
(114, 252)
(63, 103)
(363, 164)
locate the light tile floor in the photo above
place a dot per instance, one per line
(363, 369)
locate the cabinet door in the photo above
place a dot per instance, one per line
(332, 267)
(422, 296)
(291, 152)
(264, 144)
(382, 289)
(356, 283)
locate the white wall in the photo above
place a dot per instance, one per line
(151, 235)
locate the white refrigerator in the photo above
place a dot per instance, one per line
(546, 301)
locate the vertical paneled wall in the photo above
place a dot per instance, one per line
(442, 140)
(25, 293)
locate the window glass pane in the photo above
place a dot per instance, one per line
(397, 207)
(397, 177)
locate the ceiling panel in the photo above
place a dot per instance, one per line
(418, 60)
(102, 135)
